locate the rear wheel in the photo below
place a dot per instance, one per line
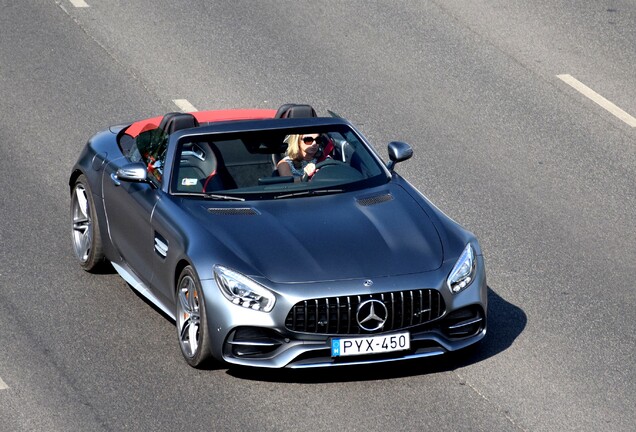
(87, 241)
(192, 325)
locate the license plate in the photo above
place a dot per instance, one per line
(370, 345)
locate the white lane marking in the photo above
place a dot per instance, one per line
(3, 386)
(184, 105)
(597, 98)
(79, 3)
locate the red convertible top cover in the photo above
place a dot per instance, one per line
(204, 117)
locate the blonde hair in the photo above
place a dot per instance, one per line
(293, 147)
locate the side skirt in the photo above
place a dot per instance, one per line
(142, 289)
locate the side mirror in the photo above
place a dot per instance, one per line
(133, 172)
(398, 152)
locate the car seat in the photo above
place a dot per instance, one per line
(218, 178)
(295, 111)
(175, 121)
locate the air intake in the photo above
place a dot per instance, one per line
(232, 211)
(464, 323)
(375, 199)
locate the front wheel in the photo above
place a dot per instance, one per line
(192, 326)
(87, 242)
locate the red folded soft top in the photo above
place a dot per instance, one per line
(204, 117)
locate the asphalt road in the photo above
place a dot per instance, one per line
(543, 175)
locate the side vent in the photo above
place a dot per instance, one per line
(375, 199)
(245, 211)
(161, 245)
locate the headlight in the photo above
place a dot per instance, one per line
(464, 271)
(243, 291)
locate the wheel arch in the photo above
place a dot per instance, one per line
(94, 183)
(183, 263)
(73, 178)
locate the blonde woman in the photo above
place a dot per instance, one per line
(300, 160)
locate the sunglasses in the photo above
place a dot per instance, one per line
(309, 140)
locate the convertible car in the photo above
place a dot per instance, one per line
(350, 266)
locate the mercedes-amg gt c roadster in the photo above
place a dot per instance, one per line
(351, 265)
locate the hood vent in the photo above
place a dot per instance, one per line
(230, 211)
(375, 199)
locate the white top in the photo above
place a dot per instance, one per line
(298, 172)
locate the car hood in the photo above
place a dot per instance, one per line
(322, 238)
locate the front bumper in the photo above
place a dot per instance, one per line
(251, 338)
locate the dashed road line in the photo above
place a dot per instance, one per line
(184, 105)
(597, 98)
(3, 386)
(79, 3)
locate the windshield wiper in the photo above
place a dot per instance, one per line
(222, 197)
(310, 192)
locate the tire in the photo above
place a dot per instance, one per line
(87, 241)
(192, 324)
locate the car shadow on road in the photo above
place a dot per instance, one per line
(505, 323)
(104, 268)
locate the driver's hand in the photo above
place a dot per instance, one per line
(310, 170)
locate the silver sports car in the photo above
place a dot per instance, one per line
(348, 265)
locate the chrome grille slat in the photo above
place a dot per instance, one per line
(401, 309)
(348, 315)
(340, 312)
(356, 308)
(383, 299)
(392, 311)
(337, 313)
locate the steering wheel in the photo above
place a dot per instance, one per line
(321, 165)
(335, 170)
(327, 163)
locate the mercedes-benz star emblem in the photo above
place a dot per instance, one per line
(372, 315)
(368, 283)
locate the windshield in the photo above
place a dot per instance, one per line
(246, 165)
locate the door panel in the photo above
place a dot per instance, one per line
(129, 206)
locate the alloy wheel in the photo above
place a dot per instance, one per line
(188, 316)
(82, 223)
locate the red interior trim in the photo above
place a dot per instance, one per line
(143, 126)
(207, 180)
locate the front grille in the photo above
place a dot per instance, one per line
(337, 315)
